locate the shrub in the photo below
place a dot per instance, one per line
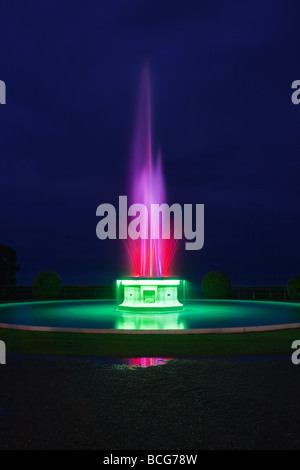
(216, 285)
(46, 285)
(293, 287)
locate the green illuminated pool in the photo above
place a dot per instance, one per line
(103, 315)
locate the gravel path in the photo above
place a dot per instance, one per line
(61, 403)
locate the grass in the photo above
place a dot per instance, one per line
(107, 345)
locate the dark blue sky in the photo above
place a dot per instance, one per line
(221, 76)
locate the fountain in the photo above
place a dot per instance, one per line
(150, 288)
(148, 294)
(150, 298)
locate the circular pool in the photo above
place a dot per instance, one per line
(198, 316)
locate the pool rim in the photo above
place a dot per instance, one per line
(194, 331)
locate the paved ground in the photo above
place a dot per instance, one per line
(57, 403)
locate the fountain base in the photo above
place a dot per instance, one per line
(150, 294)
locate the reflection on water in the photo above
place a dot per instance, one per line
(147, 361)
(146, 321)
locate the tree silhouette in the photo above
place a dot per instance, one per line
(293, 287)
(46, 285)
(8, 267)
(216, 285)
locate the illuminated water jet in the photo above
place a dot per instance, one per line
(149, 288)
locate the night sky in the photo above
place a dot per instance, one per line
(221, 75)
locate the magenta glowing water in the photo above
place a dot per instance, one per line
(149, 257)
